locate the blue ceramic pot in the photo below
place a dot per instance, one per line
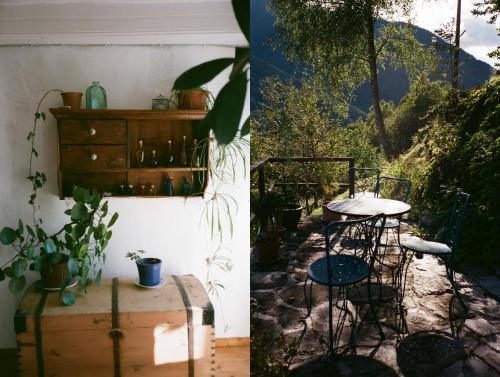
(149, 271)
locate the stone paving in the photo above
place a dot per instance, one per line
(442, 340)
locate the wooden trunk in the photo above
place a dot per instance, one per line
(118, 329)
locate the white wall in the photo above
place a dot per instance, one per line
(167, 228)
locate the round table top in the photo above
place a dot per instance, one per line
(364, 206)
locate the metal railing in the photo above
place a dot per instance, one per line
(259, 167)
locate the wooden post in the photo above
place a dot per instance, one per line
(351, 178)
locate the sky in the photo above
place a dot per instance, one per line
(479, 38)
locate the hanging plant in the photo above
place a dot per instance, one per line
(75, 251)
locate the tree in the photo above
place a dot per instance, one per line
(339, 39)
(490, 8)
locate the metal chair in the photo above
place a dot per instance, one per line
(343, 269)
(365, 179)
(444, 251)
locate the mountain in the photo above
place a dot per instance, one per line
(393, 83)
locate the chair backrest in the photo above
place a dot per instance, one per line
(393, 188)
(457, 217)
(366, 238)
(365, 180)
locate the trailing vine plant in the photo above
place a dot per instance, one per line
(80, 243)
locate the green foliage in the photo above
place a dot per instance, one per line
(135, 255)
(460, 148)
(405, 120)
(225, 116)
(296, 120)
(82, 240)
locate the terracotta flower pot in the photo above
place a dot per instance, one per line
(72, 99)
(290, 216)
(329, 216)
(195, 99)
(268, 251)
(274, 234)
(54, 275)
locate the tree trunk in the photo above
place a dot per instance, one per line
(372, 59)
(456, 48)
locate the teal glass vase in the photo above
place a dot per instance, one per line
(95, 96)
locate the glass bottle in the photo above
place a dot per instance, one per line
(183, 153)
(142, 190)
(185, 187)
(169, 186)
(152, 190)
(154, 161)
(95, 96)
(195, 156)
(130, 190)
(139, 154)
(170, 154)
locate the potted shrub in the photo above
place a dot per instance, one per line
(268, 240)
(291, 210)
(329, 192)
(74, 254)
(149, 269)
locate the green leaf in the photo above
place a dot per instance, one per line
(30, 252)
(31, 231)
(241, 59)
(80, 194)
(98, 278)
(2, 275)
(104, 209)
(73, 266)
(241, 10)
(37, 115)
(35, 152)
(245, 129)
(8, 272)
(37, 266)
(18, 267)
(16, 285)
(113, 220)
(50, 246)
(41, 234)
(20, 228)
(225, 116)
(43, 115)
(201, 74)
(8, 236)
(82, 251)
(68, 212)
(100, 231)
(94, 200)
(30, 136)
(68, 298)
(79, 211)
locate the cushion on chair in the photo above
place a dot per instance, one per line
(426, 247)
(345, 270)
(389, 223)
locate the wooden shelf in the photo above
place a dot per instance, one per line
(63, 113)
(138, 170)
(97, 148)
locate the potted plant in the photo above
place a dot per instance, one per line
(291, 210)
(194, 99)
(149, 268)
(74, 254)
(270, 234)
(329, 192)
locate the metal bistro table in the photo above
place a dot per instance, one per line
(357, 207)
(365, 207)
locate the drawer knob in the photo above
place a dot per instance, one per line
(93, 156)
(92, 132)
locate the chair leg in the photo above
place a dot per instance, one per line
(450, 273)
(307, 302)
(374, 312)
(330, 319)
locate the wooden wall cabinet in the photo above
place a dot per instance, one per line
(97, 150)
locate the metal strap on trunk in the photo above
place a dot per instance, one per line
(189, 312)
(38, 333)
(115, 332)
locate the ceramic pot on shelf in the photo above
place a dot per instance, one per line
(149, 271)
(72, 99)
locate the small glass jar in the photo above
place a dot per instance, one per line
(161, 103)
(152, 190)
(130, 190)
(95, 96)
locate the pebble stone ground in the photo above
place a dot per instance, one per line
(442, 341)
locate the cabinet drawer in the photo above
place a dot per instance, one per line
(73, 131)
(92, 157)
